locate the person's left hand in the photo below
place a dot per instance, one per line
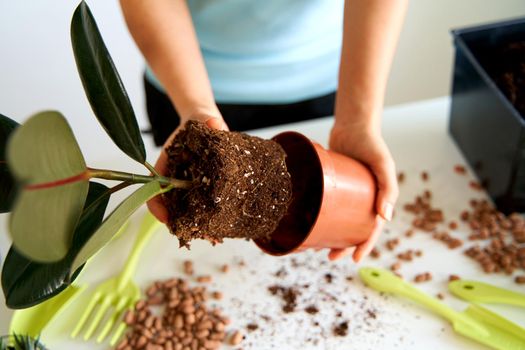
(365, 144)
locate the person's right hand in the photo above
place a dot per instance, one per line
(156, 205)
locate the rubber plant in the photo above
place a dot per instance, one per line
(57, 220)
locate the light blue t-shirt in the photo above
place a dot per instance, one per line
(268, 51)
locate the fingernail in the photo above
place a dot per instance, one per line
(388, 211)
(357, 256)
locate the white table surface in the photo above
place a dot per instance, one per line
(417, 136)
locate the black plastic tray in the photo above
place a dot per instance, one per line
(483, 122)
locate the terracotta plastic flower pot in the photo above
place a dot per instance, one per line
(333, 200)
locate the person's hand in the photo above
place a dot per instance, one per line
(365, 144)
(155, 205)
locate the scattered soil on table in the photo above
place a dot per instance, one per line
(506, 65)
(242, 189)
(252, 327)
(312, 309)
(288, 295)
(341, 329)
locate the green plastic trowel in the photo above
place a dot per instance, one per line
(476, 322)
(485, 293)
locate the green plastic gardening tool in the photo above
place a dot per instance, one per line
(485, 293)
(118, 294)
(475, 322)
(31, 321)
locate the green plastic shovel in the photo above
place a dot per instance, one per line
(485, 293)
(475, 322)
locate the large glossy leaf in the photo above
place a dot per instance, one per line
(115, 220)
(27, 283)
(103, 86)
(41, 151)
(7, 183)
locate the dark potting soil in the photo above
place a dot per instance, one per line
(242, 186)
(288, 295)
(341, 329)
(506, 66)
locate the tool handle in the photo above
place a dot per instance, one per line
(147, 227)
(385, 281)
(485, 293)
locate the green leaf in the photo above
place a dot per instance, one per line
(25, 342)
(27, 283)
(42, 151)
(103, 86)
(115, 220)
(8, 186)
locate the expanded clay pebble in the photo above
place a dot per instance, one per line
(424, 176)
(375, 253)
(423, 277)
(460, 169)
(453, 278)
(391, 244)
(407, 255)
(236, 338)
(426, 217)
(185, 323)
(395, 266)
(216, 295)
(188, 267)
(445, 237)
(204, 279)
(225, 268)
(475, 185)
(501, 248)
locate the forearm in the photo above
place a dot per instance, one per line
(164, 32)
(370, 33)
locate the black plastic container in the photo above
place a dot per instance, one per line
(488, 129)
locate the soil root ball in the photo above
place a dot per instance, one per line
(242, 187)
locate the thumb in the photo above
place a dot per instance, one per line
(216, 123)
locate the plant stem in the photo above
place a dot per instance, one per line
(151, 168)
(135, 178)
(120, 186)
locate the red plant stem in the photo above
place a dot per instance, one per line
(80, 177)
(127, 178)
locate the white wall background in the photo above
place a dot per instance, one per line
(37, 68)
(423, 64)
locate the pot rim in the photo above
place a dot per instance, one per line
(315, 148)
